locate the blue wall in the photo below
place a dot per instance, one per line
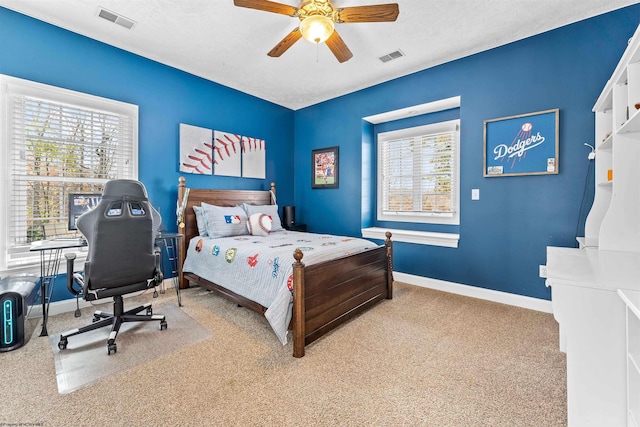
(33, 50)
(504, 235)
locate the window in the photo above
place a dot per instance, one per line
(55, 142)
(418, 174)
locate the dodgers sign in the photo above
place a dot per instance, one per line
(526, 144)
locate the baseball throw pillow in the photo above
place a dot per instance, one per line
(259, 224)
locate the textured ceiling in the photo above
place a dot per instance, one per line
(215, 40)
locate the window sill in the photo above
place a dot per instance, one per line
(33, 266)
(449, 240)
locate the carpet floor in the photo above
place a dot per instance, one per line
(425, 358)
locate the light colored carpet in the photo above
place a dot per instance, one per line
(85, 359)
(425, 358)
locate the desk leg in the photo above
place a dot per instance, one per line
(169, 247)
(49, 266)
(176, 268)
(43, 290)
(163, 249)
(172, 245)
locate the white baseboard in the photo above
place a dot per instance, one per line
(68, 305)
(530, 303)
(475, 292)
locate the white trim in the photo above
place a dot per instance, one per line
(11, 87)
(64, 306)
(69, 305)
(449, 240)
(33, 89)
(530, 303)
(450, 218)
(521, 301)
(414, 110)
(34, 267)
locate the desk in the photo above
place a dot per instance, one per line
(585, 286)
(170, 244)
(51, 254)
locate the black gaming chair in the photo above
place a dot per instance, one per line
(122, 257)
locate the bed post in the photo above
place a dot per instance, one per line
(389, 244)
(298, 305)
(182, 187)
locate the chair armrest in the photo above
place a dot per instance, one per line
(71, 278)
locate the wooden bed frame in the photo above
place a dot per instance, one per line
(325, 295)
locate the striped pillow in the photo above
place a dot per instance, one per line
(200, 221)
(223, 221)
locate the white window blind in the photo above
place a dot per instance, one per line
(418, 173)
(59, 142)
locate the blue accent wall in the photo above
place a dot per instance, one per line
(33, 50)
(504, 235)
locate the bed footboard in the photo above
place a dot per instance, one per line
(330, 293)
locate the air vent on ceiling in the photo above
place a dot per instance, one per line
(391, 56)
(115, 18)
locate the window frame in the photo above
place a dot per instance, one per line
(412, 132)
(11, 87)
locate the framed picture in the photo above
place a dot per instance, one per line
(526, 144)
(324, 168)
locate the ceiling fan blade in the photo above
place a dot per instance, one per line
(339, 47)
(374, 13)
(268, 6)
(286, 43)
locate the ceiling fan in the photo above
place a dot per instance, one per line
(318, 19)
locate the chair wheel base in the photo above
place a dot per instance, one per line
(115, 320)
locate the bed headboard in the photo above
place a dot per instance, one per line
(213, 197)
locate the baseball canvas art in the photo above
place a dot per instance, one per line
(208, 152)
(195, 149)
(253, 157)
(226, 153)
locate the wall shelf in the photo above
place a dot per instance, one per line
(632, 125)
(606, 144)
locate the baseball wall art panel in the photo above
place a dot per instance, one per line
(253, 157)
(195, 149)
(226, 153)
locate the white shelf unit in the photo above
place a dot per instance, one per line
(613, 222)
(633, 370)
(604, 161)
(632, 316)
(596, 289)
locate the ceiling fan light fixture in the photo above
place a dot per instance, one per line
(316, 28)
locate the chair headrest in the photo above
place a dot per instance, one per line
(124, 189)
